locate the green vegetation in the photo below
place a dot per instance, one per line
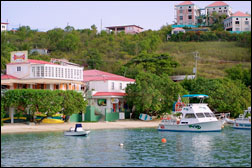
(153, 94)
(215, 57)
(46, 102)
(225, 95)
(150, 59)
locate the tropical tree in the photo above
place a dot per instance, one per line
(221, 97)
(153, 94)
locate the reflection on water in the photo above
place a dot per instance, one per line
(142, 147)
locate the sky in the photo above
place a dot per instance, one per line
(47, 15)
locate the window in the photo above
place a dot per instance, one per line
(46, 72)
(33, 71)
(246, 22)
(68, 73)
(121, 86)
(236, 18)
(200, 115)
(190, 115)
(207, 115)
(246, 29)
(189, 10)
(225, 7)
(219, 8)
(237, 22)
(246, 18)
(52, 71)
(180, 17)
(102, 102)
(213, 8)
(18, 68)
(49, 72)
(65, 73)
(189, 6)
(180, 11)
(237, 29)
(42, 71)
(113, 85)
(38, 71)
(62, 71)
(190, 17)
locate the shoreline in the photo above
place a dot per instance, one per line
(8, 128)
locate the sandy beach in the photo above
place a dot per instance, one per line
(120, 124)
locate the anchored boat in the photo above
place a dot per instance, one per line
(194, 117)
(77, 131)
(243, 122)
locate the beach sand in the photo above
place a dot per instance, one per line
(120, 124)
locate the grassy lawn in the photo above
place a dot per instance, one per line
(215, 57)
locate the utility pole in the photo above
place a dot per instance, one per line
(196, 58)
(101, 24)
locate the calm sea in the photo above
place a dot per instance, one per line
(142, 147)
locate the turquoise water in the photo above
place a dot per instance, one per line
(142, 147)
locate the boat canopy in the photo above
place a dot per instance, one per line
(196, 95)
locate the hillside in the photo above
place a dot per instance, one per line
(215, 57)
(218, 50)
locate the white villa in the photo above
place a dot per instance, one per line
(106, 90)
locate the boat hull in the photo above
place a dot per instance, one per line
(242, 125)
(76, 133)
(213, 126)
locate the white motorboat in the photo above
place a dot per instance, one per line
(243, 122)
(194, 117)
(77, 131)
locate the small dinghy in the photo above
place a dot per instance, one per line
(77, 131)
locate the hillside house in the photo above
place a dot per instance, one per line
(238, 22)
(128, 29)
(106, 91)
(186, 13)
(220, 8)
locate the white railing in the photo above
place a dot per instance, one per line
(56, 72)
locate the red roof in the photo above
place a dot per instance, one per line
(31, 61)
(96, 75)
(8, 77)
(186, 3)
(239, 14)
(109, 94)
(178, 28)
(218, 3)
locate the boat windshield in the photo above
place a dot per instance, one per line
(200, 115)
(207, 114)
(190, 115)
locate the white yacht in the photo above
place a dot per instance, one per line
(194, 117)
(243, 122)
